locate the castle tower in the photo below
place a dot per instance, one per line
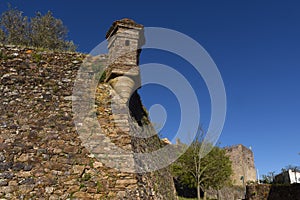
(243, 166)
(125, 38)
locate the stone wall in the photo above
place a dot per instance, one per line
(242, 164)
(41, 154)
(227, 193)
(273, 192)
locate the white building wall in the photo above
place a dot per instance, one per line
(294, 176)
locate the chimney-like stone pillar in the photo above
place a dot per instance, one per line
(125, 38)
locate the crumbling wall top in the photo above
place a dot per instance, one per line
(128, 23)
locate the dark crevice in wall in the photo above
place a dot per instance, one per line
(136, 108)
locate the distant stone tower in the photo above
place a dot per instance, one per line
(125, 38)
(243, 166)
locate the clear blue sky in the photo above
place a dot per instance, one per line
(255, 44)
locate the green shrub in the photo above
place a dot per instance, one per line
(43, 31)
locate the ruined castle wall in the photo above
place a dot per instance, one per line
(273, 192)
(242, 164)
(41, 154)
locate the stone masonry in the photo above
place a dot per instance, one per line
(42, 156)
(242, 164)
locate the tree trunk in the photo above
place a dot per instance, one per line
(198, 192)
(204, 197)
(218, 195)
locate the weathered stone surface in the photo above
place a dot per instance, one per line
(13, 183)
(125, 182)
(242, 164)
(25, 189)
(2, 157)
(7, 189)
(41, 153)
(97, 164)
(23, 158)
(49, 190)
(274, 192)
(3, 182)
(82, 195)
(228, 193)
(78, 169)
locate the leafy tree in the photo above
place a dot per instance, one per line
(288, 167)
(213, 170)
(268, 178)
(43, 31)
(15, 27)
(49, 32)
(2, 36)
